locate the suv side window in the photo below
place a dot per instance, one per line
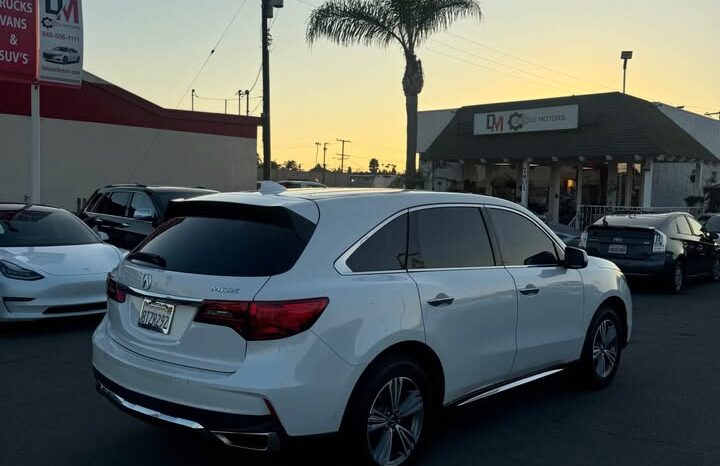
(521, 241)
(682, 226)
(140, 201)
(113, 204)
(384, 251)
(449, 237)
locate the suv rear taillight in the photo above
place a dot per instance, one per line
(660, 242)
(258, 320)
(115, 291)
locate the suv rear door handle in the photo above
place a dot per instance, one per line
(530, 290)
(441, 300)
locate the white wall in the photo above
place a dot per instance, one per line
(78, 157)
(705, 130)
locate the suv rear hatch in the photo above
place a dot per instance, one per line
(620, 242)
(207, 251)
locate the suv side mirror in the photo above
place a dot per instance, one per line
(575, 258)
(146, 215)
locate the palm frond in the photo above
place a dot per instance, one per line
(437, 15)
(349, 22)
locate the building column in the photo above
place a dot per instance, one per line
(488, 180)
(648, 169)
(525, 183)
(612, 183)
(554, 195)
(579, 200)
(629, 175)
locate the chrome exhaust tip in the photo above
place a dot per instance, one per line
(261, 442)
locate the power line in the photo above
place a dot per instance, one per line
(514, 57)
(496, 71)
(342, 154)
(507, 66)
(212, 52)
(307, 3)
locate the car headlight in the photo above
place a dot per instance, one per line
(16, 272)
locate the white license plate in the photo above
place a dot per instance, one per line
(156, 316)
(617, 249)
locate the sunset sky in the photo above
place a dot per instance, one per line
(522, 49)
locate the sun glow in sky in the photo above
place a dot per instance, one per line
(154, 48)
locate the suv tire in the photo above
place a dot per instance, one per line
(602, 350)
(389, 413)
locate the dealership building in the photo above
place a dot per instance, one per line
(574, 158)
(101, 134)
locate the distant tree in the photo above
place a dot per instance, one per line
(291, 165)
(259, 162)
(349, 170)
(318, 168)
(274, 165)
(374, 166)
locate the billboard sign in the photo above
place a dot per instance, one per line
(61, 41)
(527, 120)
(18, 40)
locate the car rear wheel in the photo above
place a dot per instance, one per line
(602, 350)
(676, 280)
(388, 414)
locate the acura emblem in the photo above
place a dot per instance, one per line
(147, 281)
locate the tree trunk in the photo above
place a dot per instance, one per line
(413, 82)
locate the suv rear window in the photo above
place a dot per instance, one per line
(237, 242)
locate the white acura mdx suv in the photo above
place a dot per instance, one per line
(256, 317)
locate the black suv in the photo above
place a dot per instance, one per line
(672, 247)
(128, 213)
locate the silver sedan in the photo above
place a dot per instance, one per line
(51, 264)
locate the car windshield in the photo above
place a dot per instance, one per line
(36, 228)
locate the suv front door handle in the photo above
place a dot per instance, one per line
(530, 290)
(441, 300)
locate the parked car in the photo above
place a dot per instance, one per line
(128, 213)
(711, 222)
(298, 184)
(51, 264)
(257, 317)
(672, 247)
(62, 55)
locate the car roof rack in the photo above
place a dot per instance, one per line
(126, 185)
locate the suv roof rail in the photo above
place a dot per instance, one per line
(136, 185)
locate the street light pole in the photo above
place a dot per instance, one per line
(625, 56)
(267, 152)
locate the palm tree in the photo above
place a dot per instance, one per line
(382, 23)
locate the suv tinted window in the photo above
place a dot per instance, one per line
(33, 228)
(682, 226)
(252, 243)
(383, 251)
(521, 241)
(113, 204)
(713, 223)
(448, 237)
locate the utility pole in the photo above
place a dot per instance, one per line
(625, 56)
(267, 149)
(713, 114)
(324, 160)
(247, 101)
(192, 105)
(317, 150)
(342, 154)
(240, 96)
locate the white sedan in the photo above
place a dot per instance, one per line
(51, 264)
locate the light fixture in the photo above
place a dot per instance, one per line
(569, 184)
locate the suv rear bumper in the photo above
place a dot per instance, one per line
(299, 391)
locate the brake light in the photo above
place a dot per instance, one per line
(115, 291)
(660, 242)
(258, 320)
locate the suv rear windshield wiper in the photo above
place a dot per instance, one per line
(148, 258)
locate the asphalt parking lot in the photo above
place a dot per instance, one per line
(663, 408)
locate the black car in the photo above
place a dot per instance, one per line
(128, 213)
(672, 247)
(711, 222)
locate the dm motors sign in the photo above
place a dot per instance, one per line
(61, 41)
(527, 120)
